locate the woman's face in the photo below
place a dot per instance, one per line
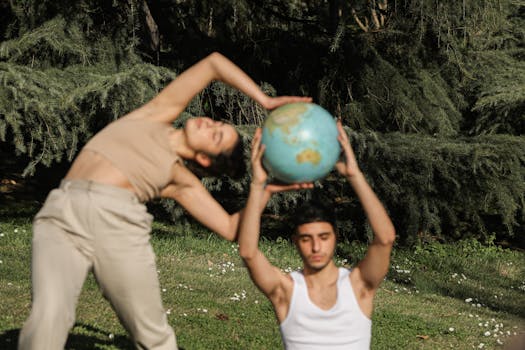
(210, 136)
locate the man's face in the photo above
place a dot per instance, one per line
(316, 244)
(209, 136)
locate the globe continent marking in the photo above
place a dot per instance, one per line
(286, 117)
(309, 155)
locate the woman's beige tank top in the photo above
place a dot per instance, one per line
(140, 149)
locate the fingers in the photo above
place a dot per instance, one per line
(288, 187)
(298, 99)
(340, 167)
(256, 137)
(342, 137)
(299, 186)
(290, 99)
(282, 100)
(349, 164)
(256, 142)
(257, 154)
(260, 153)
(274, 188)
(342, 133)
(306, 185)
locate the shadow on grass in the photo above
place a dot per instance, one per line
(9, 339)
(272, 229)
(100, 339)
(513, 306)
(483, 289)
(464, 270)
(16, 208)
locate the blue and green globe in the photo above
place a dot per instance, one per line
(301, 142)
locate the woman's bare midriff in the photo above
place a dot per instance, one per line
(92, 166)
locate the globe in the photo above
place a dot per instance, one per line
(301, 142)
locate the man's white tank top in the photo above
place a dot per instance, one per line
(308, 327)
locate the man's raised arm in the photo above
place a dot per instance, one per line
(267, 278)
(374, 267)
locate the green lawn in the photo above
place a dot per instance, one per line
(458, 296)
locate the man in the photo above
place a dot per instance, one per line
(97, 221)
(322, 306)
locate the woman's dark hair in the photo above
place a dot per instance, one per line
(231, 163)
(314, 211)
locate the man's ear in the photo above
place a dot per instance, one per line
(203, 159)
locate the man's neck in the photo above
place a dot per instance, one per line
(322, 277)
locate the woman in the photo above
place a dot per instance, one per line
(97, 221)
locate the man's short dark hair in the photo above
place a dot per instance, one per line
(314, 211)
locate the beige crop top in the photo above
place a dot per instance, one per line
(140, 149)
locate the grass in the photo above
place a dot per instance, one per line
(436, 296)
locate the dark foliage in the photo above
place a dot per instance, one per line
(433, 91)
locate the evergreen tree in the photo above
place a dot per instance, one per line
(432, 91)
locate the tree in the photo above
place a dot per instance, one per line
(431, 90)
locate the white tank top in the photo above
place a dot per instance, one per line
(308, 327)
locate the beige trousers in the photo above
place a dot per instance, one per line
(84, 226)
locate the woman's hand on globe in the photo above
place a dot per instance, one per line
(349, 166)
(274, 102)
